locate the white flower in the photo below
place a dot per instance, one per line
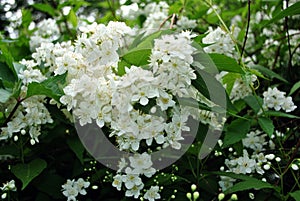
(152, 194)
(118, 180)
(72, 188)
(134, 191)
(273, 98)
(131, 179)
(9, 186)
(69, 190)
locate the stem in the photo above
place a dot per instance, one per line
(286, 27)
(228, 31)
(247, 29)
(10, 116)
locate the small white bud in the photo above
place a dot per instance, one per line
(94, 187)
(196, 195)
(4, 195)
(16, 138)
(189, 196)
(234, 197)
(230, 149)
(222, 168)
(251, 196)
(153, 110)
(23, 132)
(32, 142)
(295, 167)
(278, 159)
(270, 156)
(266, 166)
(221, 196)
(193, 187)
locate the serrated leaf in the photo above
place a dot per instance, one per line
(254, 102)
(280, 114)
(77, 147)
(51, 87)
(73, 18)
(8, 58)
(295, 87)
(248, 185)
(267, 125)
(26, 17)
(4, 95)
(137, 57)
(290, 11)
(46, 8)
(225, 63)
(296, 195)
(27, 172)
(269, 73)
(236, 131)
(212, 89)
(6, 74)
(247, 182)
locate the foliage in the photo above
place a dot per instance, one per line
(238, 77)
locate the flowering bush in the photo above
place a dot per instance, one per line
(149, 100)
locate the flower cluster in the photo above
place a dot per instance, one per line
(8, 186)
(273, 98)
(71, 189)
(31, 113)
(140, 164)
(253, 161)
(219, 41)
(46, 31)
(156, 14)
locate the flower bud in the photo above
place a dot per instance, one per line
(196, 195)
(221, 196)
(234, 197)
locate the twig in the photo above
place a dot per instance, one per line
(19, 101)
(286, 27)
(247, 29)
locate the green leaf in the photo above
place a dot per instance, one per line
(267, 125)
(140, 51)
(73, 18)
(290, 11)
(247, 185)
(295, 87)
(236, 131)
(281, 114)
(27, 172)
(46, 8)
(269, 73)
(137, 57)
(295, 195)
(247, 182)
(4, 95)
(6, 74)
(77, 147)
(51, 87)
(225, 63)
(8, 58)
(26, 17)
(212, 89)
(254, 102)
(229, 79)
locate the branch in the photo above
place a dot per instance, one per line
(247, 29)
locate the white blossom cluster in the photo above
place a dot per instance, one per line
(276, 99)
(46, 31)
(257, 161)
(156, 14)
(32, 113)
(8, 186)
(140, 164)
(71, 189)
(219, 41)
